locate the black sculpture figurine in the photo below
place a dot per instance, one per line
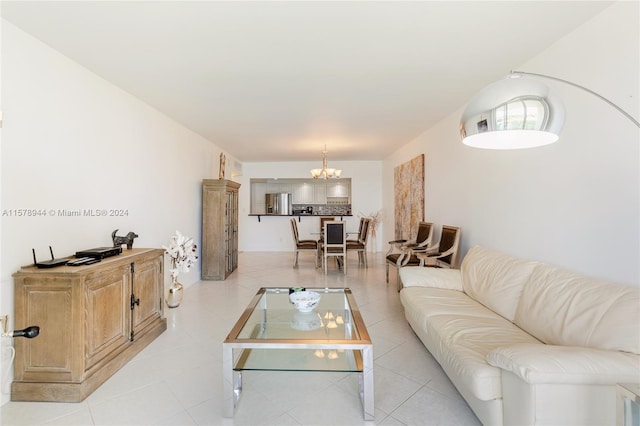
(127, 239)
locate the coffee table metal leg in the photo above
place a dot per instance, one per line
(228, 383)
(366, 383)
(237, 388)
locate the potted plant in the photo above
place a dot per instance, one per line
(182, 254)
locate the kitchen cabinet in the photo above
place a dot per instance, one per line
(320, 192)
(219, 228)
(258, 192)
(309, 193)
(338, 189)
(303, 191)
(274, 187)
(93, 319)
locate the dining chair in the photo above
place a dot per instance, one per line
(323, 220)
(302, 245)
(353, 240)
(335, 243)
(360, 245)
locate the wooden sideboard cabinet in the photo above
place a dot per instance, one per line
(93, 319)
(219, 228)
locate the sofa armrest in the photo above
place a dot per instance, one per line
(540, 363)
(418, 276)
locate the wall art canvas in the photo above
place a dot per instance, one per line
(408, 183)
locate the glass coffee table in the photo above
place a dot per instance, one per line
(272, 335)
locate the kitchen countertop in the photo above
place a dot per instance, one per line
(303, 215)
(260, 215)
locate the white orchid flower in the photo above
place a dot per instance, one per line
(182, 252)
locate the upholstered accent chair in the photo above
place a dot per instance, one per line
(302, 245)
(445, 253)
(400, 253)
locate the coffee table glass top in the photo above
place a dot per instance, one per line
(278, 337)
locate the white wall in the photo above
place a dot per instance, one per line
(575, 203)
(71, 140)
(274, 233)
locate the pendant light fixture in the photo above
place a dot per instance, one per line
(517, 112)
(325, 172)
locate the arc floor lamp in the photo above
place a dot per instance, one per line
(518, 112)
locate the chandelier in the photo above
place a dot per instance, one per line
(325, 172)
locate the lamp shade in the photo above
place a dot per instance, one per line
(513, 113)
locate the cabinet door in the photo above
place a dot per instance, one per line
(228, 233)
(147, 287)
(107, 312)
(274, 187)
(213, 233)
(231, 235)
(337, 189)
(56, 354)
(258, 191)
(320, 193)
(303, 193)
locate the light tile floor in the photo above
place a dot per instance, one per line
(177, 380)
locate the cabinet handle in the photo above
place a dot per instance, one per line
(134, 301)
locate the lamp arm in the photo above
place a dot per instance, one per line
(626, 114)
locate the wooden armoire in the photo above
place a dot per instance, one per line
(219, 228)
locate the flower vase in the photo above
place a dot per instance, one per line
(372, 245)
(175, 294)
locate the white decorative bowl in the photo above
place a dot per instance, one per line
(305, 301)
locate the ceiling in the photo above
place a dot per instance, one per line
(276, 81)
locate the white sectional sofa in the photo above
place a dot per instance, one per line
(527, 343)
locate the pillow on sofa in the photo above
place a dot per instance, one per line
(495, 279)
(417, 276)
(561, 307)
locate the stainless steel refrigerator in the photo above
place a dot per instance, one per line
(279, 203)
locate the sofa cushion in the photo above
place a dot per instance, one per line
(411, 276)
(459, 332)
(495, 279)
(421, 303)
(560, 307)
(472, 339)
